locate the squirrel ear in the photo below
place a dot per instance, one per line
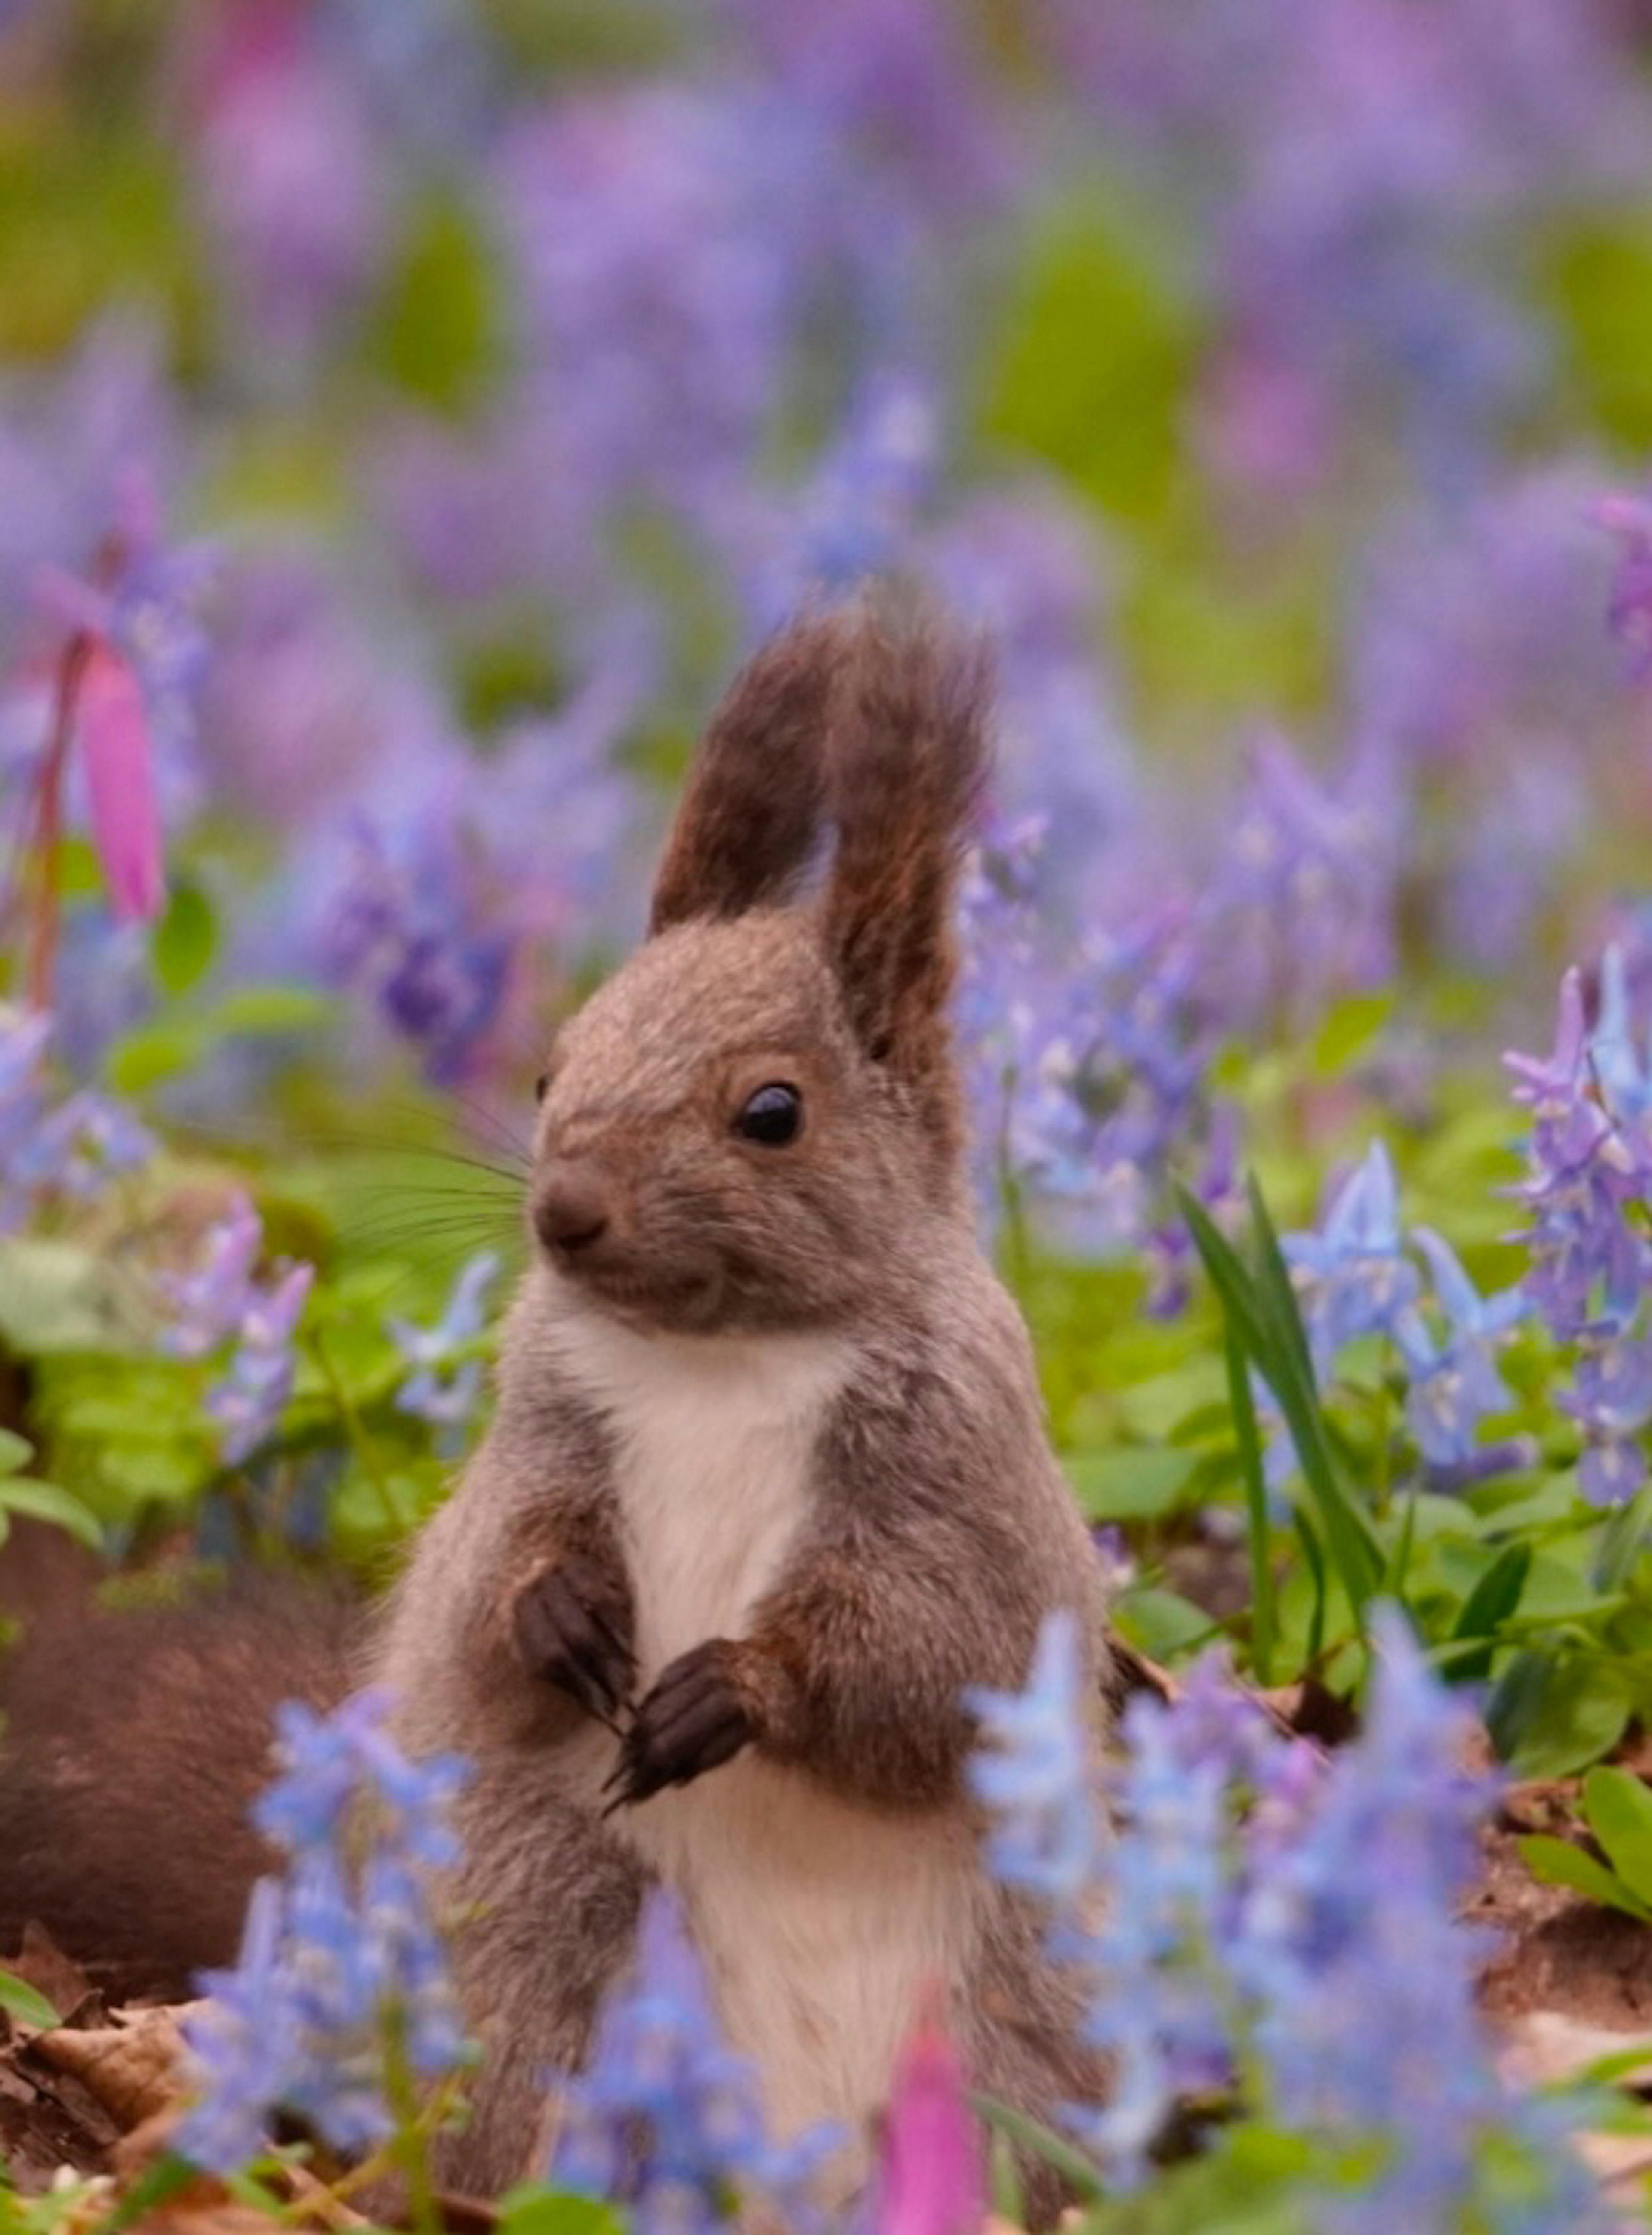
(910, 762)
(757, 791)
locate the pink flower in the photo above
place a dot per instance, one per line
(930, 2180)
(113, 736)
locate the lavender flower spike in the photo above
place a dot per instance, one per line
(664, 2118)
(1352, 1273)
(444, 1386)
(1038, 1780)
(330, 1959)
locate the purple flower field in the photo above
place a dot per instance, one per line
(412, 412)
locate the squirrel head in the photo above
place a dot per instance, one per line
(756, 1119)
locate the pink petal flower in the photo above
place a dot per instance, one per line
(120, 776)
(930, 2180)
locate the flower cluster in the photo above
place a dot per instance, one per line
(1587, 1189)
(664, 2119)
(67, 1146)
(219, 1302)
(1262, 1919)
(445, 1382)
(1354, 1279)
(342, 1979)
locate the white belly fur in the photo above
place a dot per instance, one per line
(819, 1922)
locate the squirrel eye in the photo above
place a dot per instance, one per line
(774, 1115)
(541, 1084)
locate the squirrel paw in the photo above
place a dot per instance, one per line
(694, 1719)
(573, 1625)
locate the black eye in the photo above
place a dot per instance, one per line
(541, 1084)
(774, 1116)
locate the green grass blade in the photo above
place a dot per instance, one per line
(1482, 1613)
(1041, 2142)
(1315, 1560)
(1263, 1617)
(1261, 1309)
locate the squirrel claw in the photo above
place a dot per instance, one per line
(694, 1719)
(572, 1626)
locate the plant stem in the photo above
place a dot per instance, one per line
(48, 828)
(409, 2146)
(361, 1442)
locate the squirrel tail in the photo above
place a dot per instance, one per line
(135, 1739)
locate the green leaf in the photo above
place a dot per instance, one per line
(1557, 1862)
(153, 1054)
(1619, 1809)
(1160, 1623)
(1130, 1483)
(20, 2000)
(1261, 1310)
(44, 1501)
(1091, 367)
(1516, 1697)
(535, 2209)
(56, 1296)
(1264, 1618)
(16, 1452)
(185, 939)
(272, 1009)
(1487, 1607)
(1349, 1031)
(1623, 1540)
(1576, 1718)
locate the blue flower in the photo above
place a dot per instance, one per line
(444, 1384)
(664, 2118)
(1038, 1780)
(1352, 1274)
(339, 1949)
(1454, 1385)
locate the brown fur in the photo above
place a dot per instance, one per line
(751, 811)
(909, 765)
(137, 1725)
(939, 1531)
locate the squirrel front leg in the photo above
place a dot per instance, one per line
(855, 1669)
(515, 1615)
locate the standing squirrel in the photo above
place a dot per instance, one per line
(767, 1487)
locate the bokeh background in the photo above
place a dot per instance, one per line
(427, 403)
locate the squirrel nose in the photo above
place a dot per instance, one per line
(571, 1205)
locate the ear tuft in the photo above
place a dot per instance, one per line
(910, 762)
(757, 792)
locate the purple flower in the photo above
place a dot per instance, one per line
(218, 1303)
(1250, 1898)
(1352, 1274)
(71, 1146)
(292, 183)
(664, 2118)
(141, 603)
(1036, 1775)
(1454, 1384)
(338, 1950)
(1629, 613)
(445, 1383)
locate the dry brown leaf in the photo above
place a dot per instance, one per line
(131, 2068)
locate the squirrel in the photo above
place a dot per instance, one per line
(767, 1486)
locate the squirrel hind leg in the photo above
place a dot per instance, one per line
(549, 1925)
(135, 1740)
